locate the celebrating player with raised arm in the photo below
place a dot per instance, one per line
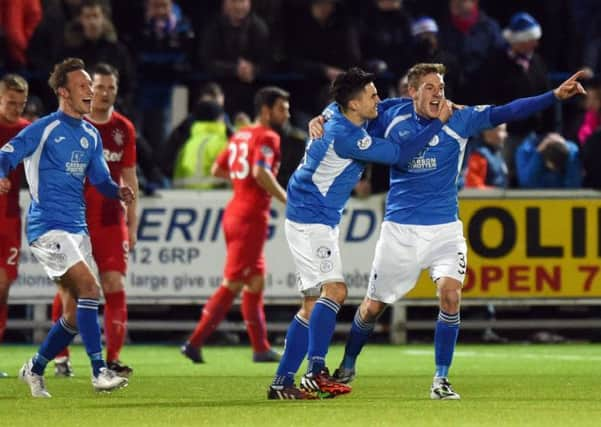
(317, 194)
(251, 161)
(421, 228)
(13, 96)
(112, 230)
(59, 151)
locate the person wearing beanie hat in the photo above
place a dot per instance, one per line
(522, 28)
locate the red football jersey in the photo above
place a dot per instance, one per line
(119, 147)
(9, 203)
(249, 146)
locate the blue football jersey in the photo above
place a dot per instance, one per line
(424, 191)
(320, 187)
(58, 152)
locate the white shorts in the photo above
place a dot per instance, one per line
(58, 251)
(403, 251)
(316, 255)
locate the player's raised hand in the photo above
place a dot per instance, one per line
(571, 86)
(126, 194)
(316, 127)
(446, 110)
(4, 185)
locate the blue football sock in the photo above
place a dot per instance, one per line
(60, 336)
(360, 332)
(295, 349)
(321, 329)
(445, 337)
(87, 319)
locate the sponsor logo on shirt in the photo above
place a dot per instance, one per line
(112, 156)
(364, 143)
(422, 163)
(84, 142)
(78, 164)
(8, 148)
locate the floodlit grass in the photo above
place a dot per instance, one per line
(508, 385)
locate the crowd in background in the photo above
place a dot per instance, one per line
(224, 50)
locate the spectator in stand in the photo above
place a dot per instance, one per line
(329, 44)
(18, 20)
(486, 167)
(426, 49)
(385, 34)
(549, 161)
(92, 37)
(162, 48)
(471, 34)
(517, 71)
(591, 153)
(235, 50)
(592, 116)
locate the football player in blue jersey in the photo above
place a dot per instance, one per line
(59, 152)
(421, 228)
(317, 193)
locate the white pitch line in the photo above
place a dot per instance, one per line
(512, 355)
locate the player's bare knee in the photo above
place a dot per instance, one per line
(335, 291)
(370, 310)
(255, 284)
(235, 287)
(307, 307)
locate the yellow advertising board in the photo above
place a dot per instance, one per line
(529, 248)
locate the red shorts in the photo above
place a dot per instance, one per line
(10, 247)
(110, 247)
(244, 241)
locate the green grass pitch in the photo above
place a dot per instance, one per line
(507, 385)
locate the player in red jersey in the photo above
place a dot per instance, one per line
(112, 229)
(251, 162)
(13, 96)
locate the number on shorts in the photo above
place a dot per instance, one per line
(461, 264)
(239, 156)
(12, 258)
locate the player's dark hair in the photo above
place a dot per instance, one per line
(58, 77)
(267, 96)
(105, 69)
(348, 85)
(13, 82)
(416, 72)
(210, 90)
(104, 5)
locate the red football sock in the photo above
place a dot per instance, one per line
(115, 323)
(212, 314)
(57, 312)
(3, 317)
(254, 318)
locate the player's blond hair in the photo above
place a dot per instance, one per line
(420, 70)
(13, 82)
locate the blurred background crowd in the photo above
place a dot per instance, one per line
(219, 52)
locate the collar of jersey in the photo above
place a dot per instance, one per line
(423, 121)
(71, 121)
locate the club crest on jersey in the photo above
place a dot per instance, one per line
(118, 137)
(84, 142)
(364, 143)
(323, 252)
(434, 141)
(8, 148)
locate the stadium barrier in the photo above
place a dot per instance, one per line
(524, 248)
